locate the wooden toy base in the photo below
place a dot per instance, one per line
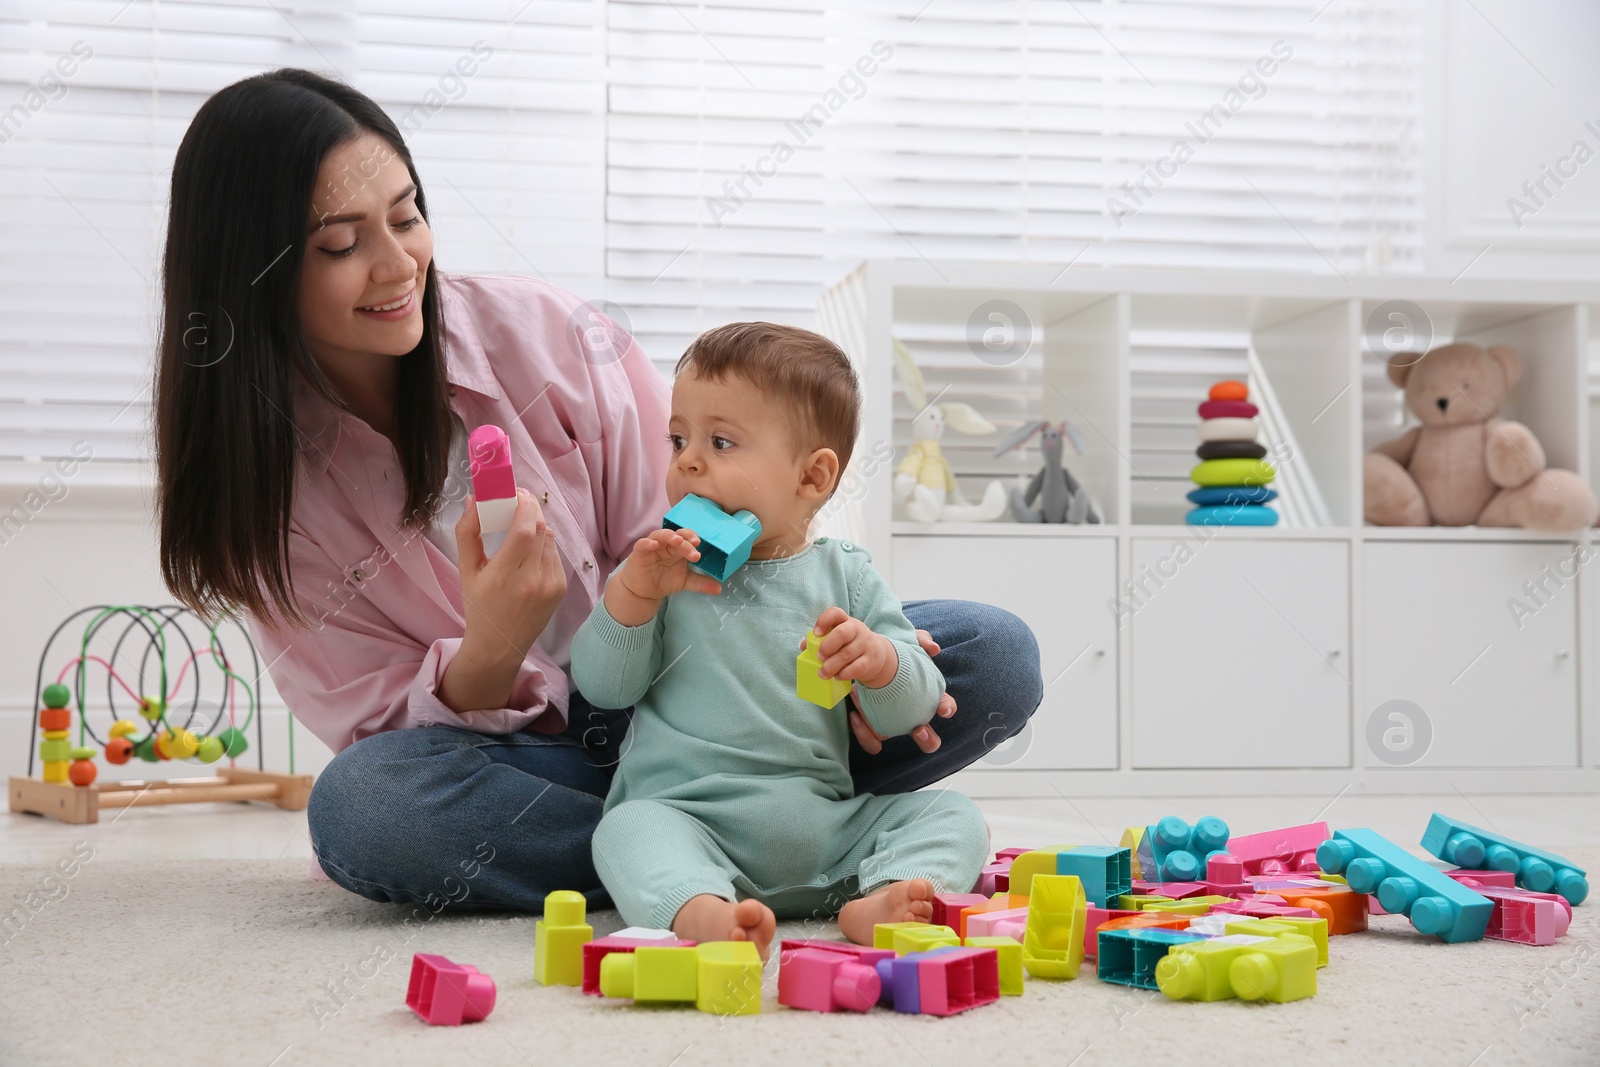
(82, 804)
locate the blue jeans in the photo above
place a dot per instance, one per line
(448, 817)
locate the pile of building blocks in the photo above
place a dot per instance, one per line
(1182, 909)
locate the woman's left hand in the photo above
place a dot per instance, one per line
(871, 741)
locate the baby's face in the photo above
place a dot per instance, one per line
(735, 446)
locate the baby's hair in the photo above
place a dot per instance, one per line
(803, 369)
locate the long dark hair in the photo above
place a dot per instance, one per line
(230, 342)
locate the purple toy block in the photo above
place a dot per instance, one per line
(816, 979)
(1293, 848)
(597, 950)
(958, 980)
(947, 907)
(448, 994)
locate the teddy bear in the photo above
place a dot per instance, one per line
(1463, 465)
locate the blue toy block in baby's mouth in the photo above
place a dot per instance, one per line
(725, 540)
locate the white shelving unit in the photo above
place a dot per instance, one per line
(1181, 661)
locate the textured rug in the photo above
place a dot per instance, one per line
(253, 962)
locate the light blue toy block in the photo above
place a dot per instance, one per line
(1467, 846)
(1405, 885)
(1180, 851)
(1130, 956)
(1106, 872)
(725, 540)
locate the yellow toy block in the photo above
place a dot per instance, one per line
(728, 974)
(1279, 969)
(1025, 866)
(923, 938)
(1052, 941)
(883, 933)
(558, 940)
(652, 975)
(1130, 841)
(1315, 928)
(1137, 901)
(808, 681)
(55, 770)
(1010, 953)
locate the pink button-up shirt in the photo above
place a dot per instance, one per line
(587, 427)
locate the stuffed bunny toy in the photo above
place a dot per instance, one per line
(924, 482)
(1053, 495)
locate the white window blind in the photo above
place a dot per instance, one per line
(696, 163)
(511, 157)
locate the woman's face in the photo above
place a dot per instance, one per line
(366, 256)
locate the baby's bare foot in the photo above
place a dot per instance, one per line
(709, 918)
(910, 901)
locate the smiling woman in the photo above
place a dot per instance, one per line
(317, 382)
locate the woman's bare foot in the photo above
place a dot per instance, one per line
(910, 901)
(709, 918)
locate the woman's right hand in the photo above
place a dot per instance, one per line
(508, 599)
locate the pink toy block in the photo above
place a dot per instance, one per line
(597, 950)
(1263, 909)
(448, 994)
(1006, 855)
(947, 908)
(1525, 916)
(995, 878)
(1293, 848)
(1503, 879)
(1008, 923)
(957, 980)
(1225, 876)
(858, 953)
(1177, 890)
(815, 979)
(1094, 917)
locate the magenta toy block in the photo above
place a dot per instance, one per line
(494, 486)
(1503, 879)
(1224, 867)
(1006, 855)
(1009, 923)
(958, 980)
(815, 979)
(1293, 848)
(1094, 917)
(947, 907)
(448, 994)
(597, 950)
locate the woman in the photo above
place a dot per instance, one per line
(316, 383)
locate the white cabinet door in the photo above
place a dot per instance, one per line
(1496, 683)
(1240, 653)
(1059, 587)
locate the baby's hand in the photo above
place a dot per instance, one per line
(853, 652)
(659, 566)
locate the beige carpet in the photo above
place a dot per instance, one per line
(232, 962)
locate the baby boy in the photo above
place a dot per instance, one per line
(733, 804)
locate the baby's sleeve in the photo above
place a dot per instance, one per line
(910, 698)
(613, 664)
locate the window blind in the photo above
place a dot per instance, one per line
(694, 163)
